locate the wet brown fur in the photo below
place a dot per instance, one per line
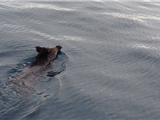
(46, 55)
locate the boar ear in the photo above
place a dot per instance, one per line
(38, 49)
(59, 47)
(41, 49)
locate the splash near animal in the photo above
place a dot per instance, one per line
(31, 74)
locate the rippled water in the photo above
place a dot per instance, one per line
(110, 52)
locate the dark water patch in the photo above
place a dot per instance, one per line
(52, 73)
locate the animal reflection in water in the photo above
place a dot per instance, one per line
(27, 80)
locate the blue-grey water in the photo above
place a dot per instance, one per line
(109, 69)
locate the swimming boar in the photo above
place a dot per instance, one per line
(29, 76)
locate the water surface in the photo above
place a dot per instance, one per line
(111, 56)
